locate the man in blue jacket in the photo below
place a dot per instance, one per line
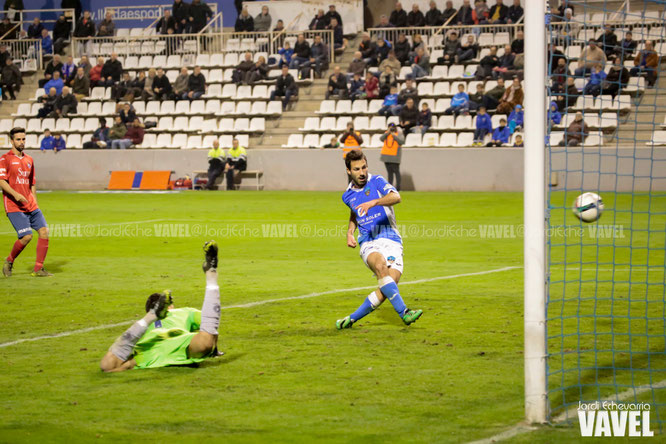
(500, 135)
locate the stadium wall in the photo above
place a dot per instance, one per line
(423, 169)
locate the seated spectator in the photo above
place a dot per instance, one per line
(96, 73)
(417, 43)
(166, 22)
(564, 5)
(484, 126)
(459, 102)
(85, 64)
(566, 95)
(117, 131)
(319, 22)
(512, 96)
(111, 71)
(382, 52)
(333, 143)
(262, 22)
(568, 30)
(236, 164)
(35, 30)
(387, 80)
(467, 51)
(61, 34)
(356, 86)
(100, 137)
(487, 65)
(244, 22)
(518, 143)
(424, 121)
(339, 42)
(401, 50)
(449, 13)
(391, 61)
(450, 49)
(6, 27)
(127, 114)
(576, 133)
(627, 46)
(68, 71)
(516, 119)
(196, 84)
(368, 49)
(162, 86)
(180, 84)
(371, 87)
(302, 52)
(47, 43)
(518, 45)
(332, 14)
(500, 135)
(55, 82)
(54, 65)
(554, 115)
(217, 159)
(514, 15)
(242, 68)
(590, 57)
(421, 65)
(285, 87)
(122, 88)
(350, 139)
(476, 98)
(409, 116)
(408, 92)
(617, 78)
(492, 98)
(390, 104)
(337, 84)
(53, 142)
(133, 136)
(415, 17)
(506, 63)
(383, 23)
(258, 72)
(137, 87)
(286, 54)
(48, 102)
(593, 86)
(357, 65)
(148, 93)
(561, 72)
(646, 62)
(319, 55)
(106, 27)
(498, 13)
(608, 41)
(65, 104)
(480, 13)
(398, 16)
(553, 55)
(434, 16)
(11, 79)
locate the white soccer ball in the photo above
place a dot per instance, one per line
(588, 207)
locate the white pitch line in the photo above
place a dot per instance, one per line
(267, 301)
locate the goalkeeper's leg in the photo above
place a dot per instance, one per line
(205, 341)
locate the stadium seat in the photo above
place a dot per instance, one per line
(109, 108)
(227, 108)
(97, 93)
(448, 140)
(439, 72)
(260, 92)
(502, 39)
(294, 141)
(228, 91)
(230, 59)
(6, 125)
(429, 140)
(179, 141)
(173, 61)
(215, 76)
(77, 124)
(608, 121)
(194, 142)
(203, 60)
(311, 124)
(326, 107)
(257, 125)
(374, 106)
(378, 122)
(216, 60)
(23, 110)
(243, 108)
(658, 138)
(73, 141)
(343, 107)
(20, 122)
(91, 124)
(327, 124)
(463, 123)
(214, 91)
(182, 107)
(442, 105)
(455, 72)
(594, 139)
(258, 108)
(375, 142)
(361, 123)
(495, 119)
(226, 125)
(62, 125)
(180, 124)
(243, 92)
(465, 139)
(311, 140)
(31, 141)
(167, 108)
(195, 124)
(445, 123)
(212, 106)
(341, 123)
(274, 108)
(359, 106)
(35, 126)
(425, 89)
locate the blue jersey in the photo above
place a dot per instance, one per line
(380, 221)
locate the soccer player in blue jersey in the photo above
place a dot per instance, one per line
(370, 199)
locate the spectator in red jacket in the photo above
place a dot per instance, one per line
(96, 72)
(133, 136)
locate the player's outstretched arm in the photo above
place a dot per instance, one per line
(351, 240)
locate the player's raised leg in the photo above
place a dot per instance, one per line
(205, 341)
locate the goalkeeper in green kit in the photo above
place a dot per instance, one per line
(170, 336)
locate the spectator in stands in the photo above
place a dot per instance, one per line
(117, 131)
(450, 49)
(162, 86)
(356, 86)
(111, 71)
(487, 65)
(68, 70)
(467, 51)
(514, 13)
(576, 133)
(85, 64)
(199, 14)
(85, 28)
(480, 13)
(122, 88)
(319, 21)
(561, 72)
(618, 77)
(244, 22)
(350, 139)
(47, 43)
(357, 65)
(554, 114)
(217, 159)
(408, 92)
(35, 30)
(449, 13)
(54, 65)
(554, 54)
(590, 57)
(106, 27)
(417, 42)
(75, 5)
(476, 98)
(371, 86)
(464, 16)
(65, 104)
(390, 105)
(484, 126)
(262, 22)
(319, 55)
(391, 153)
(242, 68)
(236, 164)
(564, 5)
(424, 121)
(608, 41)
(434, 16)
(401, 49)
(459, 102)
(339, 42)
(597, 77)
(81, 84)
(333, 142)
(4, 54)
(286, 54)
(53, 142)
(127, 114)
(181, 13)
(391, 61)
(627, 46)
(505, 63)
(516, 119)
(421, 65)
(258, 72)
(387, 80)
(512, 96)
(180, 84)
(55, 82)
(566, 95)
(647, 62)
(398, 16)
(368, 48)
(415, 17)
(337, 84)
(491, 98)
(409, 116)
(285, 87)
(138, 85)
(518, 143)
(500, 135)
(8, 28)
(11, 79)
(302, 52)
(196, 84)
(332, 14)
(498, 13)
(383, 23)
(518, 45)
(165, 23)
(96, 73)
(383, 48)
(133, 137)
(100, 137)
(48, 103)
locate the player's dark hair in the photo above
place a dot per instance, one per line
(151, 300)
(352, 156)
(15, 130)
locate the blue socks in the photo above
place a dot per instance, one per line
(390, 291)
(370, 303)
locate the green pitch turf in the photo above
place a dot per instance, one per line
(287, 375)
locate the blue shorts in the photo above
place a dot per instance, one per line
(24, 223)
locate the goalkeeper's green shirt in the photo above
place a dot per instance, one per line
(166, 341)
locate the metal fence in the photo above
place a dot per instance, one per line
(26, 53)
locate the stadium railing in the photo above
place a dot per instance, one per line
(47, 16)
(27, 53)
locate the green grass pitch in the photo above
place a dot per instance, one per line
(287, 375)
